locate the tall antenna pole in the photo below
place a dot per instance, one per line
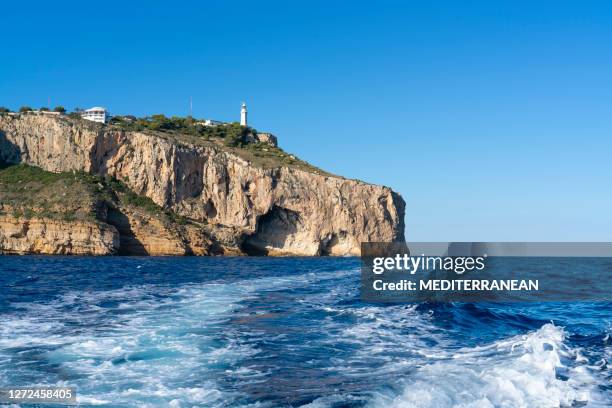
(191, 106)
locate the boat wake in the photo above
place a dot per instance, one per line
(286, 333)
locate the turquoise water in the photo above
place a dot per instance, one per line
(285, 332)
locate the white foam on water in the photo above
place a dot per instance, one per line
(144, 344)
(164, 349)
(520, 371)
(423, 367)
(390, 339)
(163, 338)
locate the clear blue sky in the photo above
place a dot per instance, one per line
(494, 121)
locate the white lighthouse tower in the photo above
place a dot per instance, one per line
(243, 115)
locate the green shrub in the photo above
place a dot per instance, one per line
(59, 109)
(68, 216)
(25, 109)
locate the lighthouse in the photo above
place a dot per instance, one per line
(243, 115)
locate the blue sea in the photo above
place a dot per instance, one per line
(285, 332)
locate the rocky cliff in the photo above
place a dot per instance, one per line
(49, 236)
(237, 200)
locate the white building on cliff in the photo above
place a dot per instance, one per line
(96, 114)
(211, 122)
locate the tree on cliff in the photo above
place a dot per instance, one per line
(4, 110)
(44, 109)
(25, 109)
(76, 113)
(59, 109)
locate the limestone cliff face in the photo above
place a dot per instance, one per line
(141, 234)
(277, 211)
(46, 236)
(123, 231)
